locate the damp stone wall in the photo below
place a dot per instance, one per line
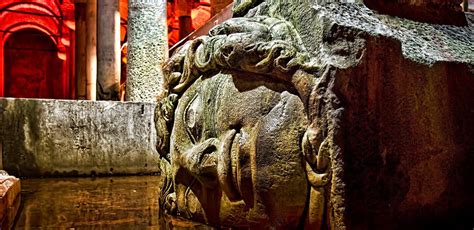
(77, 138)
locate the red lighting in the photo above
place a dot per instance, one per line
(48, 35)
(34, 43)
(65, 41)
(70, 24)
(62, 56)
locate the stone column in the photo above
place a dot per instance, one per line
(2, 60)
(183, 12)
(108, 49)
(81, 52)
(147, 49)
(91, 49)
(218, 5)
(71, 66)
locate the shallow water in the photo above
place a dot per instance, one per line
(94, 203)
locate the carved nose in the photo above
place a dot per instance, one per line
(201, 161)
(207, 159)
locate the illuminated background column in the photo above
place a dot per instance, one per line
(81, 51)
(108, 49)
(91, 48)
(147, 49)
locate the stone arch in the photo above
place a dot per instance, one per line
(30, 26)
(50, 5)
(31, 65)
(48, 23)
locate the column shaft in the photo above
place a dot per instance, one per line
(81, 52)
(147, 49)
(71, 66)
(108, 49)
(183, 12)
(91, 48)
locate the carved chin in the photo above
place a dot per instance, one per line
(227, 165)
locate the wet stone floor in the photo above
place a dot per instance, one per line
(94, 203)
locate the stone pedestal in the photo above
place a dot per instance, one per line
(91, 49)
(108, 50)
(9, 199)
(147, 49)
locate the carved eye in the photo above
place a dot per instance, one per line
(192, 118)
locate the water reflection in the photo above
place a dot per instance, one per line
(95, 203)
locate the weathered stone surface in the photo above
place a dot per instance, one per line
(407, 98)
(410, 135)
(382, 107)
(9, 199)
(70, 138)
(431, 11)
(420, 42)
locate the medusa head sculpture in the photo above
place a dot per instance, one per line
(247, 128)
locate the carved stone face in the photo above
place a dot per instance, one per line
(236, 152)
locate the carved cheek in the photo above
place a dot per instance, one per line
(184, 136)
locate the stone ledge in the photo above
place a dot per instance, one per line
(72, 138)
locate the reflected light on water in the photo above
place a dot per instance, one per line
(95, 203)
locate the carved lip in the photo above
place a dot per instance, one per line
(226, 172)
